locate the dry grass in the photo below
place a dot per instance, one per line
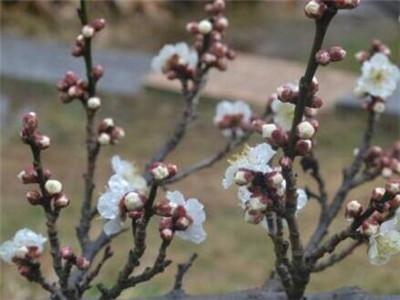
(235, 255)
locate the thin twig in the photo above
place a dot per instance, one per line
(181, 272)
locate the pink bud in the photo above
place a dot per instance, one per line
(303, 147)
(183, 223)
(337, 53)
(82, 263)
(42, 141)
(377, 193)
(166, 234)
(28, 175)
(192, 27)
(346, 4)
(61, 201)
(286, 163)
(165, 208)
(67, 253)
(221, 23)
(34, 197)
(98, 24)
(30, 121)
(393, 187)
(361, 56)
(322, 57)
(316, 102)
(98, 72)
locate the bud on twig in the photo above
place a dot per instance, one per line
(353, 210)
(337, 53)
(53, 186)
(315, 9)
(34, 197)
(82, 263)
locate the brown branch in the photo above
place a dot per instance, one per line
(92, 146)
(350, 181)
(336, 257)
(182, 270)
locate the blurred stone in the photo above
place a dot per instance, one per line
(47, 62)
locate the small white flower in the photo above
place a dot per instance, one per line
(126, 179)
(53, 186)
(104, 139)
(254, 159)
(379, 77)
(20, 244)
(180, 51)
(283, 114)
(229, 116)
(195, 232)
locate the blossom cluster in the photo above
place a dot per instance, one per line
(31, 175)
(262, 188)
(382, 226)
(209, 51)
(127, 195)
(384, 161)
(108, 133)
(379, 77)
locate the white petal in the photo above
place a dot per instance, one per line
(121, 167)
(118, 184)
(301, 199)
(108, 205)
(374, 256)
(195, 233)
(113, 226)
(26, 237)
(229, 176)
(7, 251)
(195, 210)
(176, 197)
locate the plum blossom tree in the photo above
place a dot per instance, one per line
(264, 173)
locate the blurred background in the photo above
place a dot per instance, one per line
(273, 39)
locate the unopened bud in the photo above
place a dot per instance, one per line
(98, 24)
(88, 31)
(377, 193)
(337, 53)
(30, 121)
(192, 27)
(221, 23)
(303, 147)
(94, 103)
(346, 4)
(183, 223)
(133, 200)
(285, 163)
(393, 187)
(353, 210)
(98, 72)
(361, 56)
(61, 201)
(315, 9)
(42, 141)
(378, 107)
(387, 172)
(161, 171)
(205, 26)
(66, 252)
(165, 208)
(104, 139)
(34, 197)
(166, 234)
(28, 175)
(305, 130)
(53, 186)
(82, 263)
(322, 57)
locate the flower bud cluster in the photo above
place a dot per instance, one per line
(81, 262)
(316, 9)
(376, 47)
(30, 134)
(174, 218)
(71, 87)
(333, 54)
(209, 34)
(131, 205)
(161, 171)
(108, 133)
(266, 191)
(87, 32)
(387, 162)
(382, 200)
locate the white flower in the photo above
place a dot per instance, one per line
(386, 242)
(379, 77)
(229, 116)
(20, 244)
(53, 186)
(283, 114)
(180, 51)
(254, 159)
(126, 179)
(195, 232)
